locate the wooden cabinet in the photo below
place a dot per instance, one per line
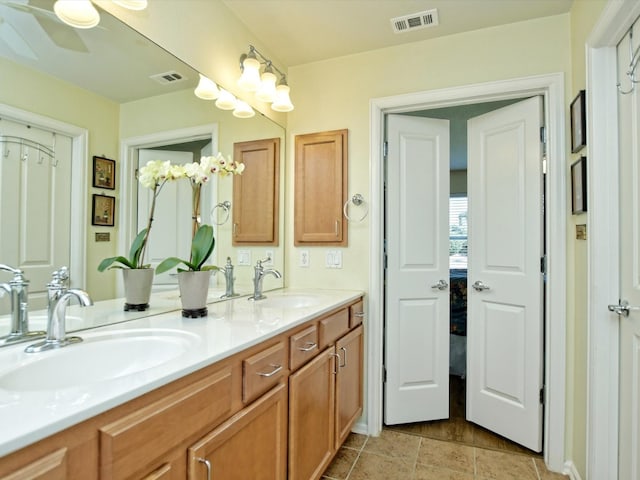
(263, 370)
(325, 400)
(320, 188)
(250, 445)
(256, 193)
(49, 467)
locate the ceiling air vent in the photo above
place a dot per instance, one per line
(168, 78)
(415, 21)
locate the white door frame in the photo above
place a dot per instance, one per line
(603, 238)
(129, 192)
(551, 86)
(79, 152)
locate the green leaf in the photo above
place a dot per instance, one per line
(202, 246)
(168, 263)
(108, 262)
(136, 246)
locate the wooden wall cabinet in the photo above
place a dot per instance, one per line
(256, 193)
(320, 190)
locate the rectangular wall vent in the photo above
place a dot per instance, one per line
(406, 23)
(168, 78)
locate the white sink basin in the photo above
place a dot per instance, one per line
(100, 357)
(291, 301)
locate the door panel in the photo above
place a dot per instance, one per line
(417, 315)
(504, 329)
(35, 205)
(629, 433)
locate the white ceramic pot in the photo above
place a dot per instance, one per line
(137, 287)
(194, 289)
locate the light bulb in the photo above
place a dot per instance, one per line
(77, 13)
(267, 90)
(250, 78)
(282, 102)
(132, 4)
(226, 100)
(206, 89)
(243, 110)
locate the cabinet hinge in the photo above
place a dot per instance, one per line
(542, 395)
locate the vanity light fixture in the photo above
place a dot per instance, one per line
(264, 85)
(77, 13)
(132, 4)
(207, 89)
(243, 110)
(226, 100)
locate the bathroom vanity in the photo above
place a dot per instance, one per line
(256, 390)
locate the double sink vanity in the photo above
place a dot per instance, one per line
(265, 389)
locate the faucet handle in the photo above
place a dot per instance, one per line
(59, 278)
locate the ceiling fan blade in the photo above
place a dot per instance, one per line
(12, 38)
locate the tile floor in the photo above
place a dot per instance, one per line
(451, 449)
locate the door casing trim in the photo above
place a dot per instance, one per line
(551, 87)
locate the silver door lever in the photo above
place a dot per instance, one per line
(479, 286)
(441, 285)
(623, 308)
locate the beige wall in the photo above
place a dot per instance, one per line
(584, 14)
(34, 92)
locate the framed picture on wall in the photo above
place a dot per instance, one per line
(578, 122)
(104, 173)
(579, 186)
(103, 210)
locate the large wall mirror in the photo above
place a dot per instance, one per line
(112, 93)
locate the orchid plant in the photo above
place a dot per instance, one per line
(153, 175)
(202, 243)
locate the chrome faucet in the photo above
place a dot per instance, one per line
(59, 296)
(18, 289)
(228, 279)
(259, 273)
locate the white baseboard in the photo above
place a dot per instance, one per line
(570, 469)
(360, 427)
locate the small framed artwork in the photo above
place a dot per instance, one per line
(103, 210)
(579, 186)
(578, 122)
(104, 173)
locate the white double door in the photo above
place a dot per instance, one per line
(504, 313)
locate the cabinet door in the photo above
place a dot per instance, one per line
(349, 396)
(250, 445)
(49, 467)
(320, 189)
(311, 417)
(256, 193)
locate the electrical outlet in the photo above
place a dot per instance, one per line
(305, 261)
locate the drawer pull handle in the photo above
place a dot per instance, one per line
(358, 314)
(344, 364)
(276, 369)
(335, 364)
(308, 347)
(207, 464)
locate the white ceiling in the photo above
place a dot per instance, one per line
(303, 31)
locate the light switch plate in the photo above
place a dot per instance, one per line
(244, 257)
(333, 259)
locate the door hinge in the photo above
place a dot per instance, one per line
(542, 395)
(543, 264)
(385, 149)
(384, 374)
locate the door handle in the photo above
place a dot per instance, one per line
(622, 309)
(478, 286)
(441, 285)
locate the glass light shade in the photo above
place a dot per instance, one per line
(267, 90)
(250, 78)
(132, 4)
(226, 100)
(243, 110)
(282, 102)
(206, 89)
(77, 13)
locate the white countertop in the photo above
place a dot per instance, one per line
(30, 415)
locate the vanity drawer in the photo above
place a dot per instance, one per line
(356, 314)
(303, 346)
(263, 370)
(136, 442)
(333, 327)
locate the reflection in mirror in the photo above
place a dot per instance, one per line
(110, 92)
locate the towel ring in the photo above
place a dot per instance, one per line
(357, 200)
(226, 206)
